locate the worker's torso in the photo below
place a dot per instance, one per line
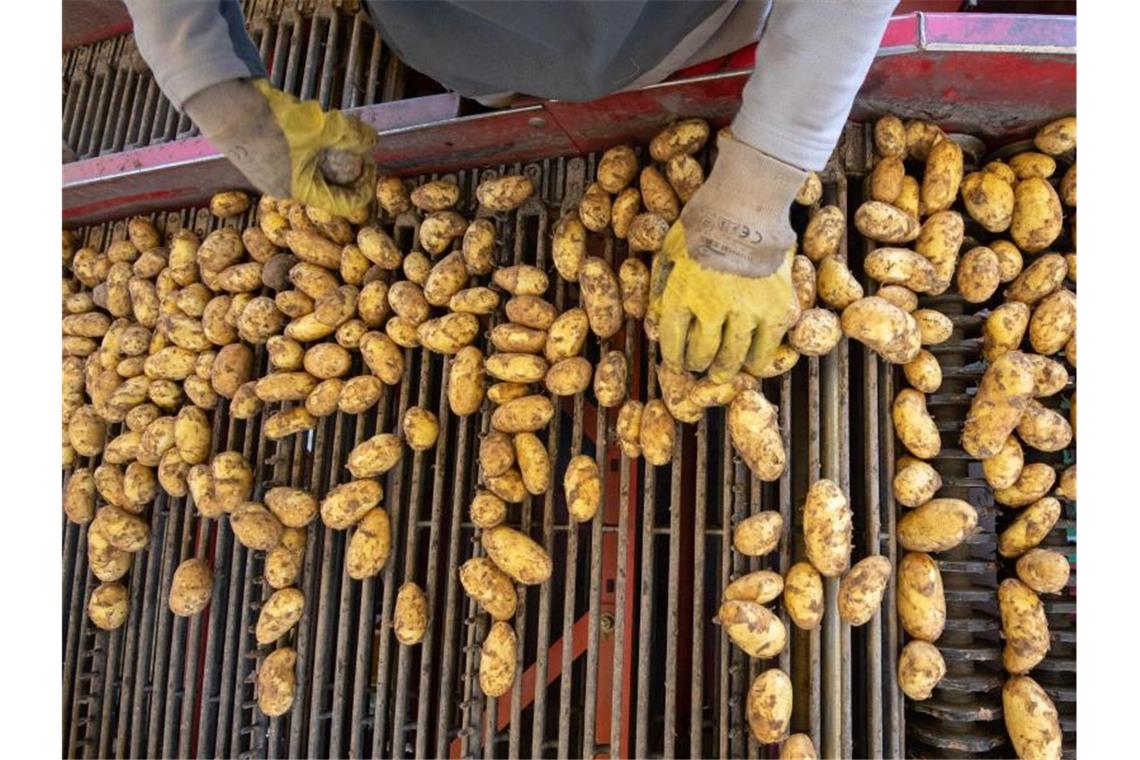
(570, 50)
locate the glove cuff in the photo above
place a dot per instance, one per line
(763, 182)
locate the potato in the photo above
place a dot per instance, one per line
(279, 614)
(191, 587)
(534, 463)
(347, 503)
(523, 414)
(816, 333)
(569, 376)
(937, 526)
(942, 176)
(624, 211)
(676, 387)
(449, 333)
(1032, 164)
(567, 335)
(446, 278)
(410, 616)
(285, 386)
(338, 306)
(478, 249)
(79, 496)
(628, 427)
(601, 297)
(755, 432)
(798, 747)
(420, 428)
(86, 431)
(836, 285)
(647, 232)
(107, 562)
(511, 338)
(242, 278)
(706, 393)
(283, 562)
(769, 706)
(170, 363)
(884, 223)
(437, 195)
(392, 195)
(465, 382)
(784, 358)
(1053, 323)
(487, 510)
(633, 277)
(245, 403)
(1046, 571)
(938, 241)
(979, 274)
(408, 301)
(752, 627)
(921, 668)
(504, 193)
(915, 482)
(610, 379)
(886, 179)
(1004, 329)
(1044, 429)
(496, 453)
(1005, 390)
(276, 682)
(489, 586)
(1023, 625)
(886, 329)
(804, 281)
(582, 486)
(474, 301)
(373, 457)
(594, 208)
(568, 247)
(685, 176)
(402, 332)
(220, 249)
(108, 606)
(90, 267)
(1041, 278)
(1036, 215)
(617, 168)
(233, 367)
(890, 136)
(988, 200)
(285, 354)
(824, 233)
(1031, 719)
(294, 507)
(200, 484)
(923, 372)
(155, 440)
(827, 521)
(1067, 487)
(901, 266)
(803, 595)
(761, 586)
(497, 660)
(1067, 190)
(214, 324)
(861, 589)
(254, 526)
(686, 136)
(657, 433)
(658, 196)
(517, 555)
(276, 273)
(758, 534)
(920, 600)
(314, 248)
(516, 367)
(1031, 526)
(370, 545)
(381, 355)
(1057, 137)
(109, 485)
(438, 229)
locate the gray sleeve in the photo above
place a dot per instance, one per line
(193, 44)
(810, 62)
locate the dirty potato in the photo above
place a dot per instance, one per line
(373, 457)
(516, 368)
(504, 193)
(942, 176)
(988, 200)
(755, 433)
(1004, 329)
(886, 329)
(567, 335)
(803, 595)
(595, 207)
(277, 682)
(294, 507)
(920, 600)
(1030, 527)
(1031, 719)
(490, 587)
(279, 614)
(601, 296)
(924, 372)
(511, 338)
(1046, 571)
(824, 233)
(1053, 323)
(497, 660)
(769, 706)
(921, 668)
(477, 300)
(439, 229)
(938, 241)
(1044, 429)
(1033, 482)
(449, 333)
(915, 482)
(827, 521)
(625, 209)
(568, 248)
(886, 179)
(517, 555)
(347, 503)
(610, 378)
(465, 381)
(861, 589)
(902, 266)
(446, 278)
(682, 137)
(1037, 215)
(937, 526)
(370, 545)
(836, 285)
(523, 414)
(979, 274)
(885, 223)
(410, 616)
(569, 376)
(191, 587)
(628, 427)
(1041, 278)
(534, 463)
(582, 486)
(420, 428)
(1005, 390)
(752, 627)
(761, 586)
(617, 168)
(657, 433)
(758, 534)
(108, 606)
(633, 276)
(1024, 626)
(647, 232)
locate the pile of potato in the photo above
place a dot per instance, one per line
(1018, 200)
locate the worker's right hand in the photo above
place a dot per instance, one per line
(721, 293)
(288, 148)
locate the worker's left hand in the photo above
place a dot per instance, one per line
(721, 288)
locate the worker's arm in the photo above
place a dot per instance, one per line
(205, 63)
(721, 294)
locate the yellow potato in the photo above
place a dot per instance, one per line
(769, 706)
(824, 233)
(798, 747)
(658, 196)
(617, 168)
(601, 296)
(836, 285)
(497, 660)
(1036, 215)
(478, 249)
(517, 368)
(633, 276)
(122, 529)
(761, 586)
(436, 195)
(705, 393)
(1067, 487)
(109, 485)
(79, 496)
(1031, 719)
(505, 193)
(628, 427)
(1057, 137)
(438, 230)
(449, 333)
(908, 198)
(329, 360)
(803, 595)
(139, 486)
(1046, 571)
(489, 586)
(534, 463)
(886, 179)
(988, 200)
(942, 176)
(861, 589)
(920, 600)
(783, 359)
(647, 232)
(420, 428)
(478, 300)
(416, 266)
(884, 223)
(1005, 390)
(373, 457)
(108, 606)
(108, 563)
(511, 338)
(220, 249)
(1032, 164)
(523, 414)
(155, 440)
(921, 668)
(1001, 170)
(758, 534)
(979, 274)
(382, 356)
(285, 354)
(410, 616)
(232, 480)
(568, 247)
(625, 209)
(567, 335)
(1041, 278)
(582, 486)
(446, 278)
(1053, 323)
(1023, 625)
(1067, 190)
(915, 482)
(338, 306)
(938, 241)
(816, 333)
(276, 682)
(191, 587)
(685, 176)
(233, 367)
(610, 379)
(283, 562)
(465, 382)
(890, 136)
(407, 300)
(278, 615)
(682, 137)
(755, 432)
(752, 627)
(531, 311)
(1044, 429)
(886, 329)
(657, 433)
(902, 266)
(487, 510)
(1004, 329)
(676, 387)
(359, 394)
(294, 507)
(1033, 482)
(402, 332)
(804, 281)
(594, 208)
(496, 453)
(569, 376)
(937, 526)
(347, 503)
(370, 545)
(285, 386)
(517, 555)
(827, 528)
(923, 372)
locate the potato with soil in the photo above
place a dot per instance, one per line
(449, 333)
(988, 200)
(517, 555)
(254, 526)
(769, 706)
(567, 335)
(477, 300)
(568, 247)
(1037, 215)
(861, 589)
(601, 296)
(1067, 487)
(410, 616)
(359, 394)
(1031, 719)
(504, 193)
(914, 425)
(915, 482)
(804, 281)
(1033, 482)
(761, 586)
(107, 562)
(370, 545)
(937, 526)
(836, 285)
(657, 433)
(496, 453)
(294, 507)
(347, 503)
(827, 527)
(924, 372)
(278, 615)
(886, 329)
(465, 381)
(884, 223)
(686, 136)
(625, 209)
(123, 530)
(784, 358)
(595, 207)
(582, 486)
(938, 241)
(816, 332)
(497, 660)
(1053, 323)
(1057, 137)
(979, 274)
(921, 668)
(1024, 626)
(534, 463)
(610, 379)
(401, 331)
(436, 195)
(658, 195)
(233, 367)
(1010, 260)
(1004, 329)
(439, 229)
(516, 367)
(283, 562)
(277, 682)
(752, 627)
(523, 414)
(285, 386)
(569, 376)
(633, 276)
(108, 606)
(647, 232)
(1042, 277)
(758, 534)
(803, 595)
(487, 510)
(1030, 527)
(920, 600)
(1050, 376)
(755, 432)
(902, 266)
(490, 587)
(511, 338)
(886, 179)
(942, 176)
(617, 168)
(191, 588)
(1046, 571)
(446, 278)
(1044, 429)
(628, 427)
(79, 496)
(824, 233)
(1005, 390)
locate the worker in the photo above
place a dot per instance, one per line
(721, 294)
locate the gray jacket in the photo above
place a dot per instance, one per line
(811, 60)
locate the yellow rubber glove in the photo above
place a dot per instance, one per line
(721, 293)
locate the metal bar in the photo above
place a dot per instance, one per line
(171, 722)
(645, 615)
(328, 67)
(159, 694)
(308, 78)
(815, 713)
(696, 702)
(350, 93)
